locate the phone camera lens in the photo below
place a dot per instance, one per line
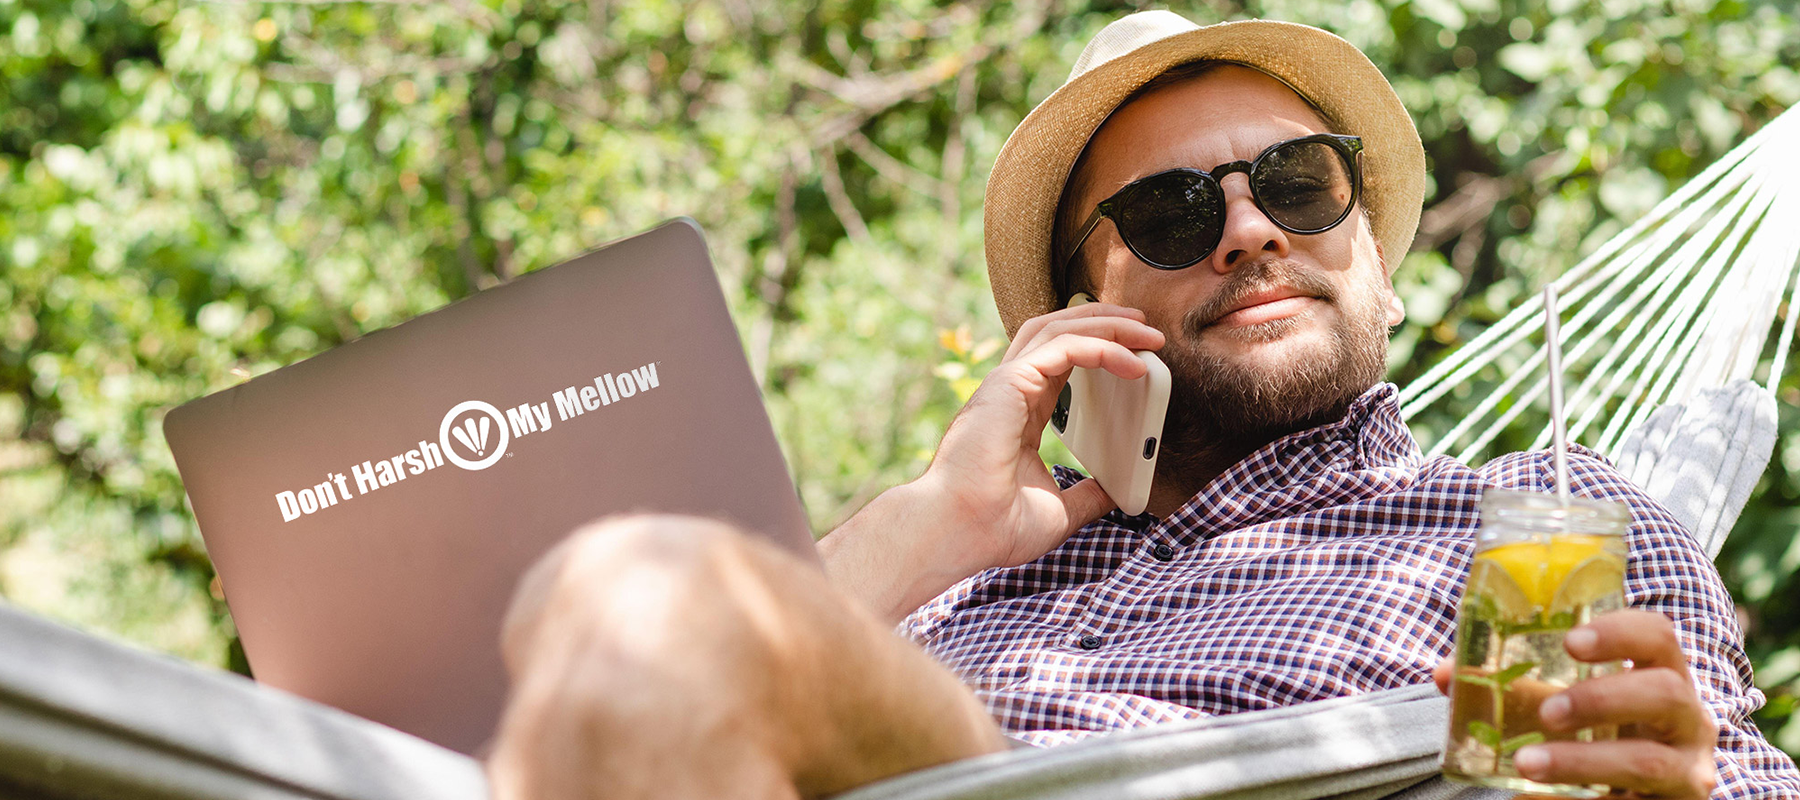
(1060, 417)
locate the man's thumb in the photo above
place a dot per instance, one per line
(1085, 502)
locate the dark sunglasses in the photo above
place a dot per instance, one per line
(1173, 219)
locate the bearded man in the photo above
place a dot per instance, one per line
(1235, 197)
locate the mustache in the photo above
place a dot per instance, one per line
(1251, 279)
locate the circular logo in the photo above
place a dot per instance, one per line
(482, 435)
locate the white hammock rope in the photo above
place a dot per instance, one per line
(1609, 278)
(1684, 299)
(1648, 365)
(1439, 379)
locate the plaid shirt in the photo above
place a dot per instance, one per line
(1328, 563)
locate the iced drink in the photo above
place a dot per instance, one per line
(1540, 568)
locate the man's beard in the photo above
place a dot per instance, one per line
(1220, 409)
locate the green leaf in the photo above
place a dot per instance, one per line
(1477, 680)
(1484, 733)
(1526, 60)
(1507, 747)
(1447, 14)
(1480, 606)
(1512, 673)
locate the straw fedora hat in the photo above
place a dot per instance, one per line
(1028, 176)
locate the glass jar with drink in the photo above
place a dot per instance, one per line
(1543, 565)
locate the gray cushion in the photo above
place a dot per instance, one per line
(84, 717)
(1365, 746)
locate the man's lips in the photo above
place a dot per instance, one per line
(1265, 306)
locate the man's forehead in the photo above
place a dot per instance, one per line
(1224, 78)
(1227, 98)
(1226, 113)
(1246, 142)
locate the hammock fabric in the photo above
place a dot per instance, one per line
(1693, 296)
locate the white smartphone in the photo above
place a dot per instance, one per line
(1114, 426)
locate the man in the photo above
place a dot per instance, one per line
(1297, 546)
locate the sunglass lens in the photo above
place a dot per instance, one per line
(1305, 186)
(1174, 219)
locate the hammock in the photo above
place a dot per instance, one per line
(1667, 326)
(1683, 300)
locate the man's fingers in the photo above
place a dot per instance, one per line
(1650, 769)
(1442, 673)
(1058, 356)
(1029, 330)
(1129, 332)
(1645, 637)
(1673, 736)
(1661, 703)
(1085, 502)
(1037, 376)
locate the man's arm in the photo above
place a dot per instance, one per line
(1670, 575)
(987, 500)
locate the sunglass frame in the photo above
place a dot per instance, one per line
(1347, 148)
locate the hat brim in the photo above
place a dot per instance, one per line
(1028, 176)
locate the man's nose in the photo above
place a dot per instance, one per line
(1249, 233)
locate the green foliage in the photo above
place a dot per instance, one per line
(195, 193)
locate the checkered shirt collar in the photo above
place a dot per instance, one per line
(1280, 477)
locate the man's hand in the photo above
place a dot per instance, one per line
(988, 464)
(1666, 737)
(987, 499)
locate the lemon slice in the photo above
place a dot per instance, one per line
(1539, 568)
(1591, 580)
(1525, 564)
(1494, 581)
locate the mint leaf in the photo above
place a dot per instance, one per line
(1507, 747)
(1477, 680)
(1512, 673)
(1484, 733)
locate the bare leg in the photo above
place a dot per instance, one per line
(675, 657)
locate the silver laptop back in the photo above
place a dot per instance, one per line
(370, 509)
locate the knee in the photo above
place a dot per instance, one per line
(650, 580)
(622, 546)
(626, 657)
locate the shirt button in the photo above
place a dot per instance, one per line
(1090, 642)
(1162, 552)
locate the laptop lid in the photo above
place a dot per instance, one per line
(370, 509)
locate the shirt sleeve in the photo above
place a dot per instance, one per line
(925, 621)
(1668, 572)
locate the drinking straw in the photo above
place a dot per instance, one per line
(1558, 430)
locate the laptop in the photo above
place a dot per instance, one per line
(369, 510)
